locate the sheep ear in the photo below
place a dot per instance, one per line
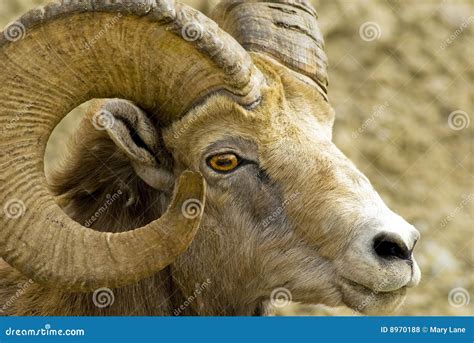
(135, 135)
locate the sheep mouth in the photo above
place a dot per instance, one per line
(358, 286)
(368, 290)
(365, 300)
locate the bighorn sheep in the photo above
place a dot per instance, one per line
(235, 118)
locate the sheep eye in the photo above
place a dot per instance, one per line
(224, 162)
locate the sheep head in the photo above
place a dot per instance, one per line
(282, 206)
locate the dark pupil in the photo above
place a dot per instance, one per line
(224, 162)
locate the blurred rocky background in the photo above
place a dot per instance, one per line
(401, 82)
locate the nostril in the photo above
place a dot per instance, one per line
(387, 246)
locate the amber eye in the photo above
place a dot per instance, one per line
(224, 162)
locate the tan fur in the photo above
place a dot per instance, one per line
(329, 208)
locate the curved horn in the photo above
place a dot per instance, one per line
(286, 30)
(163, 56)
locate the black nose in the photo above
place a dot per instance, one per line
(388, 245)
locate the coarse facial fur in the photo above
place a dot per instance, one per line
(297, 215)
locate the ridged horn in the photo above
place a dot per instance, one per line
(285, 30)
(163, 56)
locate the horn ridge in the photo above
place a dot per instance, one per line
(56, 57)
(285, 30)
